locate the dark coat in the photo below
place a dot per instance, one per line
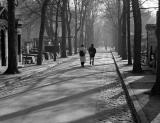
(92, 51)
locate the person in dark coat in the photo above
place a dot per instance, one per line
(92, 52)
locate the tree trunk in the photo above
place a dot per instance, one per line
(156, 88)
(137, 36)
(119, 27)
(128, 32)
(92, 31)
(124, 55)
(63, 43)
(76, 32)
(12, 40)
(49, 27)
(48, 30)
(115, 37)
(81, 36)
(89, 26)
(87, 32)
(69, 16)
(41, 33)
(82, 26)
(56, 32)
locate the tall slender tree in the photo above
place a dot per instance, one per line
(82, 21)
(79, 12)
(56, 30)
(124, 53)
(90, 16)
(137, 36)
(12, 40)
(128, 32)
(41, 33)
(69, 19)
(119, 27)
(63, 17)
(76, 25)
(156, 88)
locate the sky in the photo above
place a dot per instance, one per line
(147, 3)
(151, 3)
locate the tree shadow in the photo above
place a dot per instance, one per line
(56, 71)
(128, 73)
(103, 115)
(55, 102)
(151, 109)
(141, 86)
(33, 87)
(103, 64)
(60, 72)
(37, 67)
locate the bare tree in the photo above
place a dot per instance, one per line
(76, 25)
(137, 36)
(41, 33)
(91, 8)
(12, 40)
(56, 29)
(128, 32)
(69, 19)
(31, 12)
(124, 19)
(63, 17)
(78, 16)
(83, 9)
(113, 12)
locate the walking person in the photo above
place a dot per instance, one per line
(92, 52)
(82, 52)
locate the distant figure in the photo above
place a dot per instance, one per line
(82, 52)
(92, 52)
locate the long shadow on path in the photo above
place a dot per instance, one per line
(31, 88)
(55, 102)
(103, 115)
(40, 79)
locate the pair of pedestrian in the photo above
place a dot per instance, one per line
(82, 53)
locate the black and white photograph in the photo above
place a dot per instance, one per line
(79, 61)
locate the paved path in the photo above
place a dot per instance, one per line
(67, 93)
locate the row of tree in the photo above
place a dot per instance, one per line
(75, 19)
(118, 13)
(120, 19)
(83, 15)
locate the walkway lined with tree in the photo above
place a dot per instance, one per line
(69, 93)
(62, 21)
